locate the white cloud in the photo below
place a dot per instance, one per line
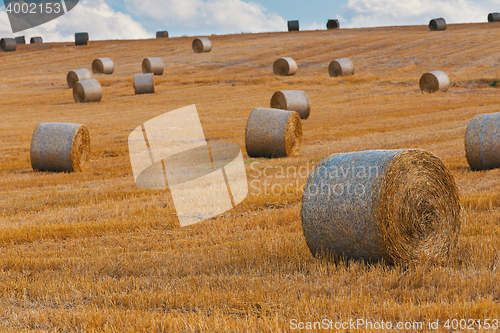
(217, 16)
(367, 13)
(92, 16)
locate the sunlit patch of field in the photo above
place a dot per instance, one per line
(93, 252)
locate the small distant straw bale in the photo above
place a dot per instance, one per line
(60, 147)
(434, 81)
(81, 38)
(341, 67)
(153, 65)
(292, 100)
(162, 34)
(144, 84)
(273, 133)
(438, 24)
(87, 91)
(285, 66)
(482, 142)
(36, 40)
(77, 75)
(293, 25)
(103, 66)
(202, 44)
(20, 40)
(8, 44)
(494, 17)
(332, 24)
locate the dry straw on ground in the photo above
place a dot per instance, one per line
(293, 25)
(434, 81)
(273, 133)
(494, 17)
(341, 67)
(202, 44)
(144, 84)
(8, 44)
(285, 66)
(36, 40)
(81, 38)
(437, 24)
(152, 65)
(87, 91)
(482, 142)
(20, 40)
(161, 34)
(77, 75)
(292, 100)
(398, 206)
(333, 24)
(103, 66)
(60, 147)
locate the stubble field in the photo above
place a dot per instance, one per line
(91, 251)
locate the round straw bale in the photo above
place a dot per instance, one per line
(20, 40)
(494, 17)
(285, 66)
(152, 65)
(292, 100)
(332, 24)
(103, 66)
(87, 91)
(341, 67)
(398, 206)
(434, 81)
(81, 38)
(144, 84)
(482, 142)
(202, 44)
(36, 40)
(293, 25)
(438, 24)
(77, 75)
(8, 44)
(273, 133)
(60, 147)
(161, 34)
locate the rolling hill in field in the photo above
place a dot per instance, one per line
(91, 251)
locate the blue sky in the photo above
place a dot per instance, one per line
(130, 19)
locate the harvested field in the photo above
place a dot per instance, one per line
(91, 251)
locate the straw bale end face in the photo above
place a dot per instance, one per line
(285, 66)
(341, 67)
(434, 81)
(201, 45)
(273, 133)
(292, 100)
(60, 147)
(482, 142)
(395, 206)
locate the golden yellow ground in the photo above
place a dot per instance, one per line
(93, 252)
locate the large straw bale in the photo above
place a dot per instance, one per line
(103, 66)
(285, 66)
(60, 147)
(153, 65)
(273, 133)
(77, 75)
(87, 91)
(341, 67)
(482, 141)
(434, 81)
(396, 206)
(292, 100)
(202, 44)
